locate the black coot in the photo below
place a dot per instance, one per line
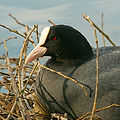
(72, 55)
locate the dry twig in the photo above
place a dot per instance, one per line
(97, 67)
(22, 102)
(102, 24)
(22, 24)
(13, 82)
(12, 109)
(104, 108)
(29, 77)
(37, 34)
(9, 112)
(107, 37)
(67, 77)
(21, 54)
(14, 31)
(51, 22)
(8, 39)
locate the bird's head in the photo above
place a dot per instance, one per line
(61, 42)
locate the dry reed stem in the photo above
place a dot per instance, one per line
(51, 22)
(97, 67)
(9, 112)
(102, 25)
(13, 83)
(25, 53)
(37, 34)
(18, 22)
(25, 43)
(61, 74)
(2, 118)
(21, 54)
(32, 41)
(22, 85)
(19, 97)
(2, 73)
(104, 108)
(30, 37)
(8, 39)
(29, 77)
(107, 37)
(14, 31)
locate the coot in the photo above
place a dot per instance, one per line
(72, 55)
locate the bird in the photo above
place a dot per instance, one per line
(72, 55)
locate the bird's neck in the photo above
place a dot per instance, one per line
(72, 60)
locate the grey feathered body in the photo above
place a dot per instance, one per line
(58, 94)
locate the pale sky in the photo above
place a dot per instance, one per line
(68, 12)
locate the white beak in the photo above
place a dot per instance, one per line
(38, 51)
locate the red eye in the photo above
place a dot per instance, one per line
(54, 38)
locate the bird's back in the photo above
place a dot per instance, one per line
(59, 94)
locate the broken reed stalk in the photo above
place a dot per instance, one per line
(13, 82)
(30, 37)
(21, 54)
(14, 31)
(51, 22)
(97, 67)
(67, 77)
(29, 77)
(14, 85)
(23, 74)
(25, 43)
(8, 39)
(22, 85)
(107, 37)
(12, 109)
(98, 110)
(25, 51)
(2, 73)
(37, 34)
(9, 112)
(18, 70)
(102, 25)
(20, 23)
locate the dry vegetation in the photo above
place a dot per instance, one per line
(20, 101)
